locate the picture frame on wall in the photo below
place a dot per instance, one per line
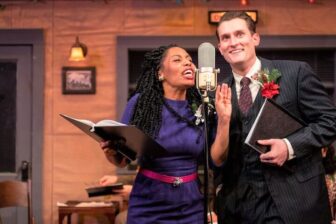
(79, 80)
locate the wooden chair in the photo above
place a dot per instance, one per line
(14, 194)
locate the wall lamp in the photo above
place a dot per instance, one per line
(78, 51)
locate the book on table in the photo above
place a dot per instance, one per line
(134, 141)
(273, 121)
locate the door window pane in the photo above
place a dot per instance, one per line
(7, 116)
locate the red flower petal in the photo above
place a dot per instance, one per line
(270, 89)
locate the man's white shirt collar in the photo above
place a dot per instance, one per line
(256, 67)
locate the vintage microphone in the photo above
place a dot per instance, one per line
(206, 75)
(206, 80)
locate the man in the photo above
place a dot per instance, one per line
(286, 184)
(121, 217)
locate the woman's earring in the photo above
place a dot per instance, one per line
(161, 78)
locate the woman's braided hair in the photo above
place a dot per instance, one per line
(148, 110)
(329, 161)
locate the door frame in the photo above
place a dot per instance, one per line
(35, 39)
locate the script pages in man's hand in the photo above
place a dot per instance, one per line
(135, 141)
(273, 121)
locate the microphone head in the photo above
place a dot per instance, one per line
(206, 55)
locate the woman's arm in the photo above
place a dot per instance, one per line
(109, 147)
(219, 148)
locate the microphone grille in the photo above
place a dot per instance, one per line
(206, 55)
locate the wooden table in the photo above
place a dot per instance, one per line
(109, 211)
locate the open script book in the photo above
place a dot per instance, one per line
(135, 142)
(273, 121)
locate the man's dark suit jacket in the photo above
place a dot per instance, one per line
(300, 195)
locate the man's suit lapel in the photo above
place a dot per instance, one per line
(267, 64)
(259, 100)
(256, 105)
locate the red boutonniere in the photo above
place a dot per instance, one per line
(267, 81)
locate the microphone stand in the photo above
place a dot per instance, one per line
(206, 81)
(205, 112)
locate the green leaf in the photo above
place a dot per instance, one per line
(194, 107)
(274, 75)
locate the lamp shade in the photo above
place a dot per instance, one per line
(78, 51)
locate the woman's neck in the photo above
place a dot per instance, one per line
(176, 95)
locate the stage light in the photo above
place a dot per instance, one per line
(244, 2)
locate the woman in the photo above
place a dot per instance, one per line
(166, 189)
(329, 163)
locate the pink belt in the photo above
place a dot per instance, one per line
(176, 181)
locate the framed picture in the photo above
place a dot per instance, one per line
(79, 80)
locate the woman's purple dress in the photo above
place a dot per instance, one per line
(152, 201)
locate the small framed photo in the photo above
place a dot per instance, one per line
(79, 80)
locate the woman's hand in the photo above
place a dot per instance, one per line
(223, 103)
(220, 147)
(110, 149)
(106, 145)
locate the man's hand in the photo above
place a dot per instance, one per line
(108, 179)
(278, 154)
